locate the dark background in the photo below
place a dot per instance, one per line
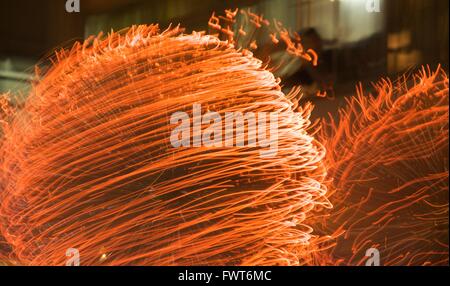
(354, 45)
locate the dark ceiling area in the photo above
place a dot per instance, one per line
(354, 45)
(32, 28)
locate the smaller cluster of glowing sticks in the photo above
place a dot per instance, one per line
(388, 162)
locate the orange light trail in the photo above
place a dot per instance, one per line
(87, 162)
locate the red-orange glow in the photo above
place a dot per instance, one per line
(387, 156)
(87, 163)
(249, 24)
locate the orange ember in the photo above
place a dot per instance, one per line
(87, 163)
